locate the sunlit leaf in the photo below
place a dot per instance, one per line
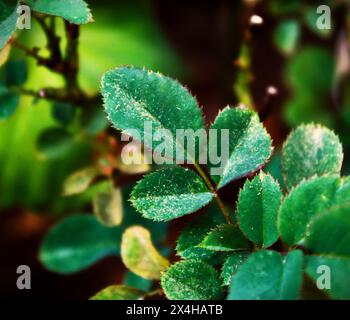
(140, 256)
(79, 181)
(191, 280)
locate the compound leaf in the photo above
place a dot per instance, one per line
(140, 256)
(191, 280)
(267, 275)
(310, 150)
(258, 205)
(170, 193)
(246, 149)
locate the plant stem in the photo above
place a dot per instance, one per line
(216, 195)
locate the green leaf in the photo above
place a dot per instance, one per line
(8, 20)
(133, 280)
(192, 235)
(74, 11)
(63, 113)
(267, 275)
(79, 181)
(225, 237)
(191, 280)
(307, 107)
(287, 35)
(76, 243)
(329, 232)
(306, 201)
(249, 145)
(170, 193)
(231, 265)
(8, 102)
(339, 268)
(54, 143)
(310, 150)
(257, 208)
(311, 70)
(108, 207)
(94, 121)
(119, 292)
(140, 256)
(134, 97)
(5, 54)
(16, 72)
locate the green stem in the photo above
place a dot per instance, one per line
(212, 189)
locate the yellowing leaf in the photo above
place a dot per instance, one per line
(140, 256)
(108, 207)
(119, 292)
